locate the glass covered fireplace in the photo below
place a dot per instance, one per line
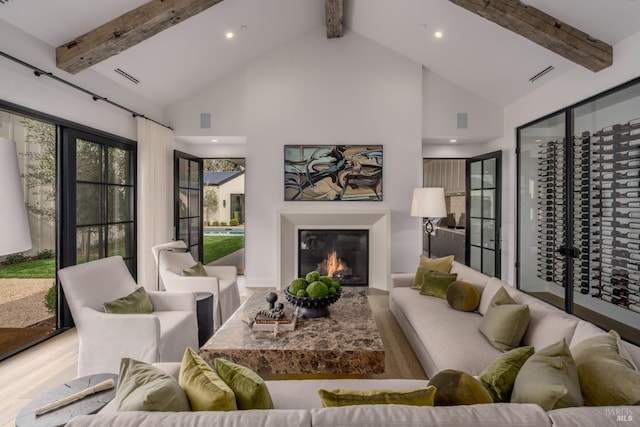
(340, 254)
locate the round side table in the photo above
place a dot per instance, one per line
(204, 314)
(59, 417)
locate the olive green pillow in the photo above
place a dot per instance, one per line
(440, 265)
(137, 302)
(415, 397)
(204, 388)
(435, 284)
(549, 379)
(250, 390)
(505, 323)
(142, 387)
(499, 377)
(606, 378)
(455, 387)
(463, 296)
(195, 270)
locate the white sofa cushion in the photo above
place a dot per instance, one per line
(489, 415)
(303, 394)
(467, 274)
(251, 417)
(432, 320)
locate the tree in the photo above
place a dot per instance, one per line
(221, 165)
(210, 200)
(40, 178)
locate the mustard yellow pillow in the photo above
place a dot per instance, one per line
(204, 388)
(442, 264)
(415, 397)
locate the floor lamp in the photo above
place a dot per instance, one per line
(429, 203)
(14, 224)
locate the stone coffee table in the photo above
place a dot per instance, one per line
(344, 344)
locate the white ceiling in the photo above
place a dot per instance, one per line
(474, 53)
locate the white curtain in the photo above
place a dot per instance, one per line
(155, 196)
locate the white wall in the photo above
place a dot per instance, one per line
(318, 91)
(442, 100)
(568, 89)
(20, 86)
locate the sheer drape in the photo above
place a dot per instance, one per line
(155, 195)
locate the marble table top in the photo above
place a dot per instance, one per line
(345, 343)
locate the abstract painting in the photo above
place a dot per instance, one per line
(333, 172)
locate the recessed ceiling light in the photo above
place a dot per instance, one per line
(214, 140)
(229, 35)
(438, 34)
(538, 140)
(453, 140)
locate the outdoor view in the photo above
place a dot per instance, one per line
(223, 212)
(27, 280)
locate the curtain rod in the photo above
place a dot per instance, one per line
(39, 72)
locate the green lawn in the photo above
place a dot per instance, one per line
(218, 246)
(36, 269)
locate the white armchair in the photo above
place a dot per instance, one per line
(104, 338)
(221, 281)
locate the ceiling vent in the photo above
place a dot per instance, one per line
(124, 74)
(542, 73)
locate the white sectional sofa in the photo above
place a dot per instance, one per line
(444, 338)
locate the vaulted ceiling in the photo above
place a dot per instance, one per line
(473, 52)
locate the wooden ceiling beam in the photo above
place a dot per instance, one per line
(545, 30)
(125, 31)
(333, 17)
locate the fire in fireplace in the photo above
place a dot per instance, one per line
(340, 254)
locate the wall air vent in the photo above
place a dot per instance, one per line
(126, 75)
(542, 73)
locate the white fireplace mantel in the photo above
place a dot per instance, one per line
(377, 221)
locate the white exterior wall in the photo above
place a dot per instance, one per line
(234, 186)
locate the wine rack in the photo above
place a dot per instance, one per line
(615, 204)
(605, 176)
(551, 211)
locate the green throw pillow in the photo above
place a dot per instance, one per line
(499, 377)
(250, 390)
(196, 270)
(455, 387)
(137, 302)
(204, 388)
(415, 397)
(606, 378)
(440, 265)
(549, 379)
(505, 322)
(142, 387)
(435, 284)
(463, 296)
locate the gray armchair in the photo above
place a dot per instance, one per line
(221, 281)
(104, 338)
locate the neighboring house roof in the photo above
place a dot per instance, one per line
(219, 178)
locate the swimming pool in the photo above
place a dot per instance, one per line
(224, 232)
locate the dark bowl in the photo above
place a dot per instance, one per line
(313, 307)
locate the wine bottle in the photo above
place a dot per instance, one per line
(616, 291)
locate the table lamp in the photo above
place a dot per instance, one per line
(429, 203)
(14, 224)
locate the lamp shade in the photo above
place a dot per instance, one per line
(428, 202)
(14, 225)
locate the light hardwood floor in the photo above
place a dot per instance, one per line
(34, 371)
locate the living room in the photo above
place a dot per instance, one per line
(311, 90)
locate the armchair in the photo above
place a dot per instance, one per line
(221, 281)
(104, 338)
